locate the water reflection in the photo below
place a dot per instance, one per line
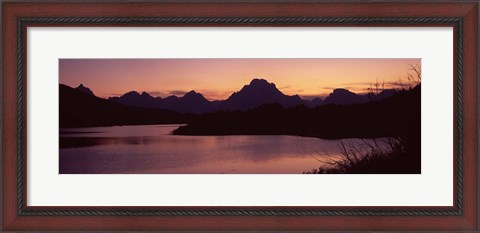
(152, 149)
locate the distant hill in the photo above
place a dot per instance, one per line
(191, 102)
(344, 96)
(314, 102)
(136, 99)
(80, 109)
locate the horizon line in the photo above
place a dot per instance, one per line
(308, 97)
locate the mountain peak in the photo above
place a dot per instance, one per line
(257, 93)
(260, 86)
(260, 82)
(192, 92)
(194, 95)
(344, 96)
(341, 90)
(145, 94)
(84, 89)
(131, 93)
(257, 85)
(172, 97)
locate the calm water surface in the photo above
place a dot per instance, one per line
(152, 149)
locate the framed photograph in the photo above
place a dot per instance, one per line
(246, 116)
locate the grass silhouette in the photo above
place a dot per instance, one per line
(393, 155)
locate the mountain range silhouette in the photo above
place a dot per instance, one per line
(258, 92)
(80, 108)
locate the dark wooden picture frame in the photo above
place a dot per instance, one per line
(462, 16)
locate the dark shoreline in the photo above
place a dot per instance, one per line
(397, 116)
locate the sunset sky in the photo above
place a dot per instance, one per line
(217, 79)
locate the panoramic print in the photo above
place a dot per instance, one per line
(240, 116)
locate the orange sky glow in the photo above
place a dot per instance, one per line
(217, 79)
